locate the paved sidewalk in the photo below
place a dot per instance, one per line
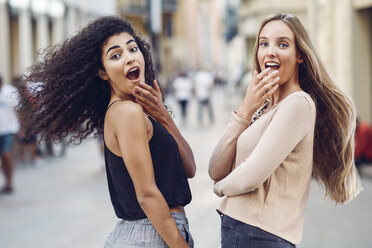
(65, 202)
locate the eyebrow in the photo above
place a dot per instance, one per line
(114, 47)
(129, 41)
(280, 38)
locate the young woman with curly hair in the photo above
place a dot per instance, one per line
(103, 79)
(293, 122)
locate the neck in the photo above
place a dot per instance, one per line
(115, 95)
(284, 90)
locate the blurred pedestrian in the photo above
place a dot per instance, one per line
(203, 85)
(26, 139)
(8, 128)
(293, 122)
(219, 79)
(244, 82)
(183, 92)
(363, 143)
(103, 76)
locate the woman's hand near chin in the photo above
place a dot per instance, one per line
(151, 100)
(262, 86)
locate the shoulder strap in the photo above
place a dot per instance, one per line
(113, 103)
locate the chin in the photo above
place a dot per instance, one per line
(142, 79)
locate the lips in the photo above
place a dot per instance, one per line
(133, 73)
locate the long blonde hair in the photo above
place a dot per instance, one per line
(333, 158)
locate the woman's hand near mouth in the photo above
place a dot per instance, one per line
(151, 100)
(263, 84)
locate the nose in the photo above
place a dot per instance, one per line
(129, 59)
(270, 52)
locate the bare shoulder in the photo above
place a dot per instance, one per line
(124, 121)
(124, 110)
(124, 114)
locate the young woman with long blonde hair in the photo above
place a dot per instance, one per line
(292, 123)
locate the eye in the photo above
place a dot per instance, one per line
(283, 45)
(263, 44)
(134, 49)
(115, 56)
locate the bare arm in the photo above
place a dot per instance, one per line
(130, 129)
(151, 100)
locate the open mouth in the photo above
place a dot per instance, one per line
(273, 65)
(133, 74)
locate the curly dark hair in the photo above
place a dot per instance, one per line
(69, 95)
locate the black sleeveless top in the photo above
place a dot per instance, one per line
(170, 176)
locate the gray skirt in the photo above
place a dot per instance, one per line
(141, 233)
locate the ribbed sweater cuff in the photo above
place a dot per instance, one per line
(238, 121)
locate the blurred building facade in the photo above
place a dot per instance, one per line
(188, 33)
(189, 36)
(341, 31)
(29, 25)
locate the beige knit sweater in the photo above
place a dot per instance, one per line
(264, 170)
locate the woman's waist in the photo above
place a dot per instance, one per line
(178, 214)
(177, 209)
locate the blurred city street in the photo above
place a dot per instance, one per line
(64, 202)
